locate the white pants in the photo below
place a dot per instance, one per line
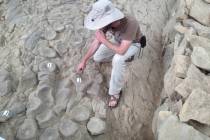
(104, 54)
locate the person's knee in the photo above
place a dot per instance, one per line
(118, 59)
(96, 58)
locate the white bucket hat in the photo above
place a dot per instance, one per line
(103, 13)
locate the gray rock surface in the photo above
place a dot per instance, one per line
(181, 66)
(199, 41)
(195, 79)
(181, 11)
(99, 107)
(180, 47)
(172, 129)
(200, 57)
(45, 93)
(80, 113)
(28, 130)
(34, 106)
(32, 39)
(186, 82)
(45, 119)
(50, 134)
(96, 126)
(45, 51)
(170, 81)
(5, 87)
(49, 33)
(200, 29)
(46, 76)
(61, 48)
(62, 97)
(208, 1)
(200, 11)
(6, 83)
(68, 128)
(196, 107)
(94, 89)
(28, 80)
(58, 26)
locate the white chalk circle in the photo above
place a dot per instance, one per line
(49, 65)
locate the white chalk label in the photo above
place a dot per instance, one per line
(49, 65)
(79, 80)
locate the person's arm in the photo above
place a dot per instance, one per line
(93, 47)
(119, 49)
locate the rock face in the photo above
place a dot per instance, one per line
(81, 113)
(45, 119)
(182, 64)
(199, 41)
(201, 57)
(28, 130)
(96, 126)
(172, 129)
(68, 128)
(99, 107)
(200, 11)
(195, 79)
(200, 29)
(194, 109)
(184, 109)
(47, 52)
(50, 134)
(28, 80)
(6, 83)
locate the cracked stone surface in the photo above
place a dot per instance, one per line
(50, 134)
(200, 11)
(28, 130)
(199, 57)
(172, 129)
(96, 126)
(80, 113)
(68, 128)
(194, 109)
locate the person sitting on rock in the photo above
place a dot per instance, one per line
(126, 31)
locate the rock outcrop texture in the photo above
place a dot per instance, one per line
(42, 97)
(184, 109)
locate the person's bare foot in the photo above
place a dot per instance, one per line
(113, 100)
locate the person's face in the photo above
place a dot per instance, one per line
(115, 24)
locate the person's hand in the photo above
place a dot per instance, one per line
(100, 36)
(81, 67)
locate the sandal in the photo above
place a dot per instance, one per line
(115, 99)
(130, 59)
